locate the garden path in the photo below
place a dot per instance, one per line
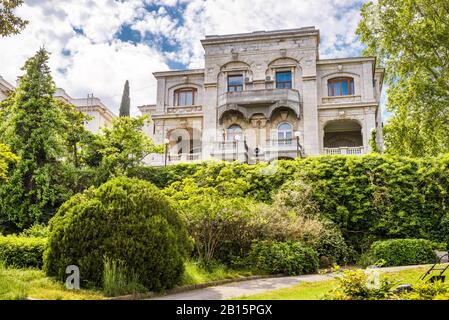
(251, 287)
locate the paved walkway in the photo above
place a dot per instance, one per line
(251, 287)
(237, 289)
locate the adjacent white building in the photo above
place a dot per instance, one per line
(263, 96)
(101, 115)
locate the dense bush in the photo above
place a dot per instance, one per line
(398, 252)
(221, 226)
(123, 220)
(369, 197)
(22, 252)
(290, 258)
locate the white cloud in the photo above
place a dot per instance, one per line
(95, 61)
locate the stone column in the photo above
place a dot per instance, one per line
(310, 113)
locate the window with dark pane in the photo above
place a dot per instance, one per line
(284, 80)
(185, 97)
(340, 87)
(235, 83)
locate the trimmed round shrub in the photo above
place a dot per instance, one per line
(125, 220)
(399, 252)
(22, 252)
(289, 257)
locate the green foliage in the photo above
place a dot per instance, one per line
(290, 258)
(6, 158)
(32, 125)
(125, 105)
(124, 220)
(215, 223)
(427, 291)
(118, 281)
(10, 24)
(22, 252)
(373, 142)
(368, 198)
(36, 231)
(400, 252)
(410, 39)
(122, 147)
(361, 285)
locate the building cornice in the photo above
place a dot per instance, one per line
(345, 60)
(261, 35)
(178, 73)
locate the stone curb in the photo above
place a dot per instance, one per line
(190, 287)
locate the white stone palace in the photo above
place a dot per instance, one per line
(100, 115)
(264, 96)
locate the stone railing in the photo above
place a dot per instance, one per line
(184, 109)
(345, 150)
(342, 99)
(184, 157)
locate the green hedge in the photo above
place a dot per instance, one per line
(22, 252)
(369, 197)
(290, 258)
(400, 252)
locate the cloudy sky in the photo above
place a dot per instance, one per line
(96, 45)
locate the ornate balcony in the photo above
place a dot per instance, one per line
(282, 148)
(230, 151)
(263, 101)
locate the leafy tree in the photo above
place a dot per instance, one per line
(125, 105)
(411, 39)
(10, 23)
(75, 133)
(6, 157)
(33, 127)
(123, 147)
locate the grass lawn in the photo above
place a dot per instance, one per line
(316, 290)
(196, 274)
(23, 283)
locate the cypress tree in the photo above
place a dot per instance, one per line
(125, 105)
(33, 128)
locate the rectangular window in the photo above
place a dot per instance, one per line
(340, 87)
(235, 83)
(184, 97)
(284, 80)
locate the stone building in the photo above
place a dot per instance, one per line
(264, 96)
(100, 114)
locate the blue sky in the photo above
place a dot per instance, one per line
(98, 44)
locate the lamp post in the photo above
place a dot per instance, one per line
(297, 135)
(166, 142)
(256, 151)
(237, 139)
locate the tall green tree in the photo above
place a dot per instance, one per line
(6, 158)
(123, 147)
(411, 39)
(34, 129)
(9, 23)
(125, 105)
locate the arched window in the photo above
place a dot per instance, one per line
(340, 87)
(233, 131)
(285, 133)
(185, 97)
